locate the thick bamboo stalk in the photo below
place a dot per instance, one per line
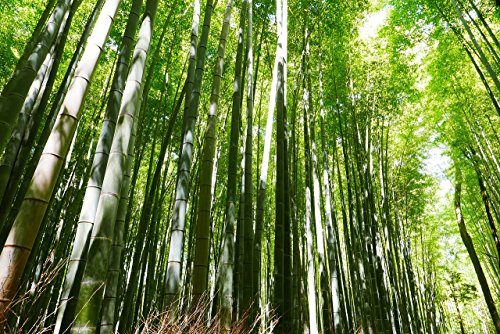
(248, 261)
(25, 228)
(93, 190)
(196, 65)
(279, 271)
(226, 269)
(202, 248)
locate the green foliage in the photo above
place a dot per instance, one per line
(403, 105)
(18, 19)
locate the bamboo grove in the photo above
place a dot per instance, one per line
(249, 166)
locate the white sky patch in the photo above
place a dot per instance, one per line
(437, 164)
(372, 23)
(417, 52)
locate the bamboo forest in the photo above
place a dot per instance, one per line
(249, 166)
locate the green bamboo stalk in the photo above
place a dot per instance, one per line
(186, 157)
(226, 270)
(91, 294)
(91, 198)
(202, 248)
(25, 228)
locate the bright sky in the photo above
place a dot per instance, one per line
(372, 23)
(437, 164)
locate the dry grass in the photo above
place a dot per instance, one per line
(26, 317)
(196, 321)
(25, 307)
